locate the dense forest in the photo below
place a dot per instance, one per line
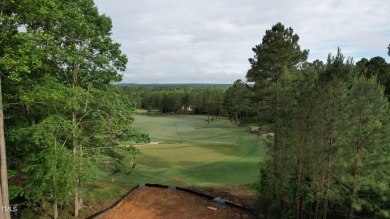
(214, 100)
(330, 156)
(61, 115)
(177, 100)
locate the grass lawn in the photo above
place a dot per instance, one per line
(192, 152)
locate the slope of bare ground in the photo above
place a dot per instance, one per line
(236, 195)
(151, 203)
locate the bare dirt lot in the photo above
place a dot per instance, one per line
(151, 203)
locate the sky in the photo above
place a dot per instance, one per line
(210, 41)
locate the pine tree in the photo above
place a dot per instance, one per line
(272, 69)
(236, 101)
(365, 147)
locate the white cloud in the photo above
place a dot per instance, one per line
(211, 40)
(167, 56)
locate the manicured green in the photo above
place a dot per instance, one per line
(194, 152)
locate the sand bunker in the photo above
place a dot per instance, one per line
(150, 143)
(154, 142)
(151, 202)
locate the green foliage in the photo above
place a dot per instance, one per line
(388, 53)
(376, 67)
(340, 119)
(276, 55)
(50, 168)
(14, 190)
(329, 156)
(237, 101)
(203, 100)
(273, 69)
(59, 101)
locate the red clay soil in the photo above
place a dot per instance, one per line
(151, 203)
(236, 195)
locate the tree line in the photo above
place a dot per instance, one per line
(232, 101)
(60, 115)
(330, 153)
(179, 100)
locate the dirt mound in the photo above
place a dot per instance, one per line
(151, 202)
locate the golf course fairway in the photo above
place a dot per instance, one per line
(186, 150)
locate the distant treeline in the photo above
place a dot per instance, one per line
(174, 85)
(196, 100)
(232, 101)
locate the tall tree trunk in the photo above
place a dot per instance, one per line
(75, 155)
(27, 113)
(81, 149)
(328, 147)
(319, 198)
(4, 198)
(355, 169)
(298, 193)
(55, 208)
(327, 186)
(79, 178)
(1, 210)
(74, 142)
(276, 128)
(3, 161)
(328, 176)
(55, 204)
(300, 160)
(354, 190)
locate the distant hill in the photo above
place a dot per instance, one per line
(174, 85)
